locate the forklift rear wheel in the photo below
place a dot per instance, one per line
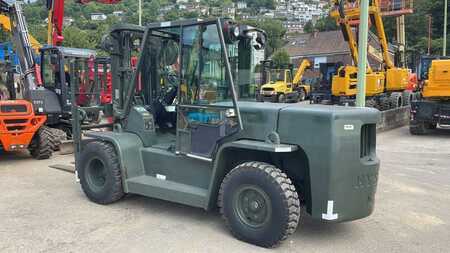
(43, 143)
(301, 95)
(259, 204)
(281, 98)
(99, 173)
(417, 127)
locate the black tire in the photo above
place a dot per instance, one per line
(431, 126)
(43, 143)
(407, 97)
(395, 100)
(99, 173)
(59, 137)
(259, 98)
(301, 95)
(417, 127)
(281, 98)
(371, 103)
(385, 104)
(278, 193)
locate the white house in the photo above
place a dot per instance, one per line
(98, 16)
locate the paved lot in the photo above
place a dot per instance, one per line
(44, 210)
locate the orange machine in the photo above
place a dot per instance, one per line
(18, 124)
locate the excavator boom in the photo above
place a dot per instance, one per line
(21, 39)
(5, 23)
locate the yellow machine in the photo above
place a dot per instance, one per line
(385, 89)
(433, 106)
(438, 84)
(281, 86)
(5, 24)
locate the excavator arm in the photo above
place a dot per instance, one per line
(375, 15)
(301, 70)
(338, 14)
(351, 14)
(21, 40)
(5, 24)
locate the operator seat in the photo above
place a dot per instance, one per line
(161, 108)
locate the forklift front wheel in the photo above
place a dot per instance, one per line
(259, 204)
(99, 173)
(281, 98)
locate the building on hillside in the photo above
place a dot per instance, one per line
(241, 5)
(118, 13)
(329, 47)
(293, 26)
(98, 16)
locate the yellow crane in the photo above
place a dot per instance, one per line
(385, 89)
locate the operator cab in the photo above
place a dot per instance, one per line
(55, 70)
(183, 98)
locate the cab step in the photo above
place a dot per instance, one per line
(168, 190)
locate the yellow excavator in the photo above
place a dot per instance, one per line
(433, 106)
(5, 24)
(385, 88)
(281, 86)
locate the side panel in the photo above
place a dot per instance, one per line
(176, 168)
(128, 147)
(343, 171)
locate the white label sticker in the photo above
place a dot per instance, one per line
(349, 127)
(161, 177)
(330, 215)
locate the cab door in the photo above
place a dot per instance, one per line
(207, 112)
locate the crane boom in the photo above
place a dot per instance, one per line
(56, 18)
(300, 71)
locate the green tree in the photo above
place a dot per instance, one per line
(275, 33)
(281, 58)
(309, 27)
(75, 37)
(326, 24)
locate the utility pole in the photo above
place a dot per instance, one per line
(430, 20)
(140, 12)
(445, 29)
(362, 61)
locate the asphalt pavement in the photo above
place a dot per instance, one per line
(44, 210)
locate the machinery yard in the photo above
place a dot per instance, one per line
(215, 132)
(45, 210)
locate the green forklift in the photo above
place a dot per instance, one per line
(179, 133)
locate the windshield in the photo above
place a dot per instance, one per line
(277, 75)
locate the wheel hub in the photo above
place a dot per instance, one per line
(252, 206)
(96, 174)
